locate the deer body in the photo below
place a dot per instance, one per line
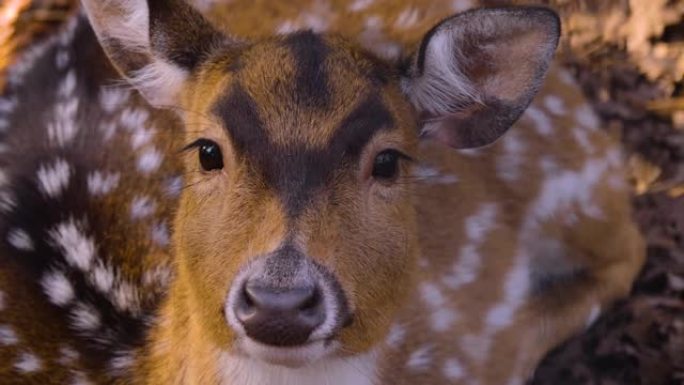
(306, 234)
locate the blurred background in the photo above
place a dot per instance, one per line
(628, 55)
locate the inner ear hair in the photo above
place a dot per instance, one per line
(476, 72)
(154, 44)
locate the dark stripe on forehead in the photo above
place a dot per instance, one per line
(311, 86)
(241, 119)
(295, 172)
(360, 126)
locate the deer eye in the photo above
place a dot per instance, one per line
(386, 165)
(210, 155)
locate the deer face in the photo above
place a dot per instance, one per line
(299, 194)
(295, 236)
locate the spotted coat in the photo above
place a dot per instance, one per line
(511, 258)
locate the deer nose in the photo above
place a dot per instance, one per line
(280, 316)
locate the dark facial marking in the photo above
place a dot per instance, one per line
(295, 172)
(311, 80)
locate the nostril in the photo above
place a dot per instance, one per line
(312, 302)
(280, 316)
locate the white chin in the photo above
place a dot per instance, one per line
(292, 357)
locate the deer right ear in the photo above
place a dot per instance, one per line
(155, 44)
(476, 72)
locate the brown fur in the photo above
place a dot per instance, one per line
(387, 244)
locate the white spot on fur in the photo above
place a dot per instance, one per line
(478, 225)
(442, 319)
(566, 77)
(112, 99)
(434, 176)
(133, 119)
(80, 378)
(7, 105)
(555, 105)
(453, 370)
(286, 27)
(28, 363)
(121, 362)
(360, 5)
(420, 359)
(563, 190)
(407, 18)
(54, 178)
(77, 248)
(20, 240)
(142, 207)
(85, 317)
(586, 116)
(582, 138)
(466, 268)
(8, 336)
(67, 355)
(67, 86)
(516, 288)
(160, 234)
(173, 186)
(374, 39)
(476, 347)
(7, 201)
(159, 276)
(432, 295)
(461, 5)
(470, 152)
(396, 336)
(102, 277)
(102, 182)
(108, 129)
(509, 165)
(542, 122)
(64, 128)
(141, 137)
(57, 287)
(127, 298)
(317, 18)
(149, 161)
(594, 313)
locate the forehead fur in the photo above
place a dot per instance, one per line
(301, 107)
(303, 84)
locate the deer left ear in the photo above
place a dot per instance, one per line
(476, 72)
(155, 44)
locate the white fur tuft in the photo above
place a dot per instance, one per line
(357, 370)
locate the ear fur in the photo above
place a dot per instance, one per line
(155, 44)
(476, 72)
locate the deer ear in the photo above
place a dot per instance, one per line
(155, 44)
(475, 73)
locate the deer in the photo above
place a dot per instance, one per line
(181, 205)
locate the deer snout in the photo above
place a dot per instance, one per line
(280, 316)
(286, 300)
